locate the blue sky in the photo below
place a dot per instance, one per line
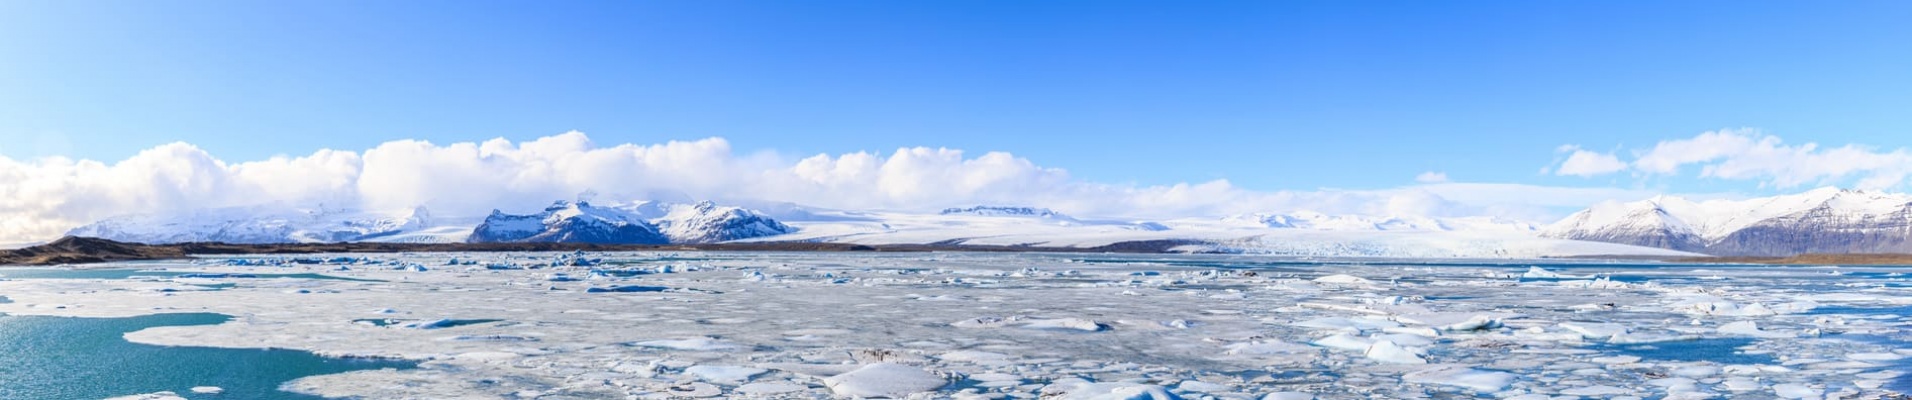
(1269, 95)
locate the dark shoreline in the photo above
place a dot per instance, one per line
(81, 250)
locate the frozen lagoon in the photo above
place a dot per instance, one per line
(1023, 325)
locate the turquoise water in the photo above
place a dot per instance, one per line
(88, 358)
(1719, 350)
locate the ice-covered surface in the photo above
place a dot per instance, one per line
(1315, 236)
(978, 325)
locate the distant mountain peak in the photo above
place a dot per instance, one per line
(635, 223)
(1003, 211)
(1821, 220)
(265, 223)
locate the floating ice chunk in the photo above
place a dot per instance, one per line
(1461, 376)
(1358, 324)
(1874, 356)
(1795, 307)
(1796, 391)
(694, 344)
(1696, 371)
(728, 374)
(975, 357)
(1405, 339)
(1595, 330)
(695, 389)
(1416, 331)
(1267, 347)
(1536, 272)
(769, 388)
(1740, 384)
(1709, 305)
(1078, 324)
(884, 380)
(208, 390)
(1672, 383)
(1455, 322)
(1344, 341)
(1083, 390)
(1287, 396)
(1750, 328)
(1610, 360)
(488, 356)
(811, 370)
(1386, 351)
(1203, 387)
(1343, 279)
(985, 322)
(1602, 391)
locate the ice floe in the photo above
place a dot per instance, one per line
(1006, 326)
(884, 380)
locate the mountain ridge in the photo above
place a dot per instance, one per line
(1824, 220)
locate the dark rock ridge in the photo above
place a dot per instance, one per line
(78, 250)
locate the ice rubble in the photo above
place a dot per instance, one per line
(958, 325)
(884, 380)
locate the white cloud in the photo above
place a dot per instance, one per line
(1586, 163)
(1431, 177)
(1746, 154)
(42, 198)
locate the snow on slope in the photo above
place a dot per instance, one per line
(1820, 220)
(1476, 238)
(275, 223)
(641, 222)
(567, 222)
(1301, 234)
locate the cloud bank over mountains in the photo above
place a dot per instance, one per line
(45, 197)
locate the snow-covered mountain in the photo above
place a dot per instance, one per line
(568, 222)
(1006, 211)
(706, 222)
(637, 223)
(1825, 220)
(275, 223)
(653, 222)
